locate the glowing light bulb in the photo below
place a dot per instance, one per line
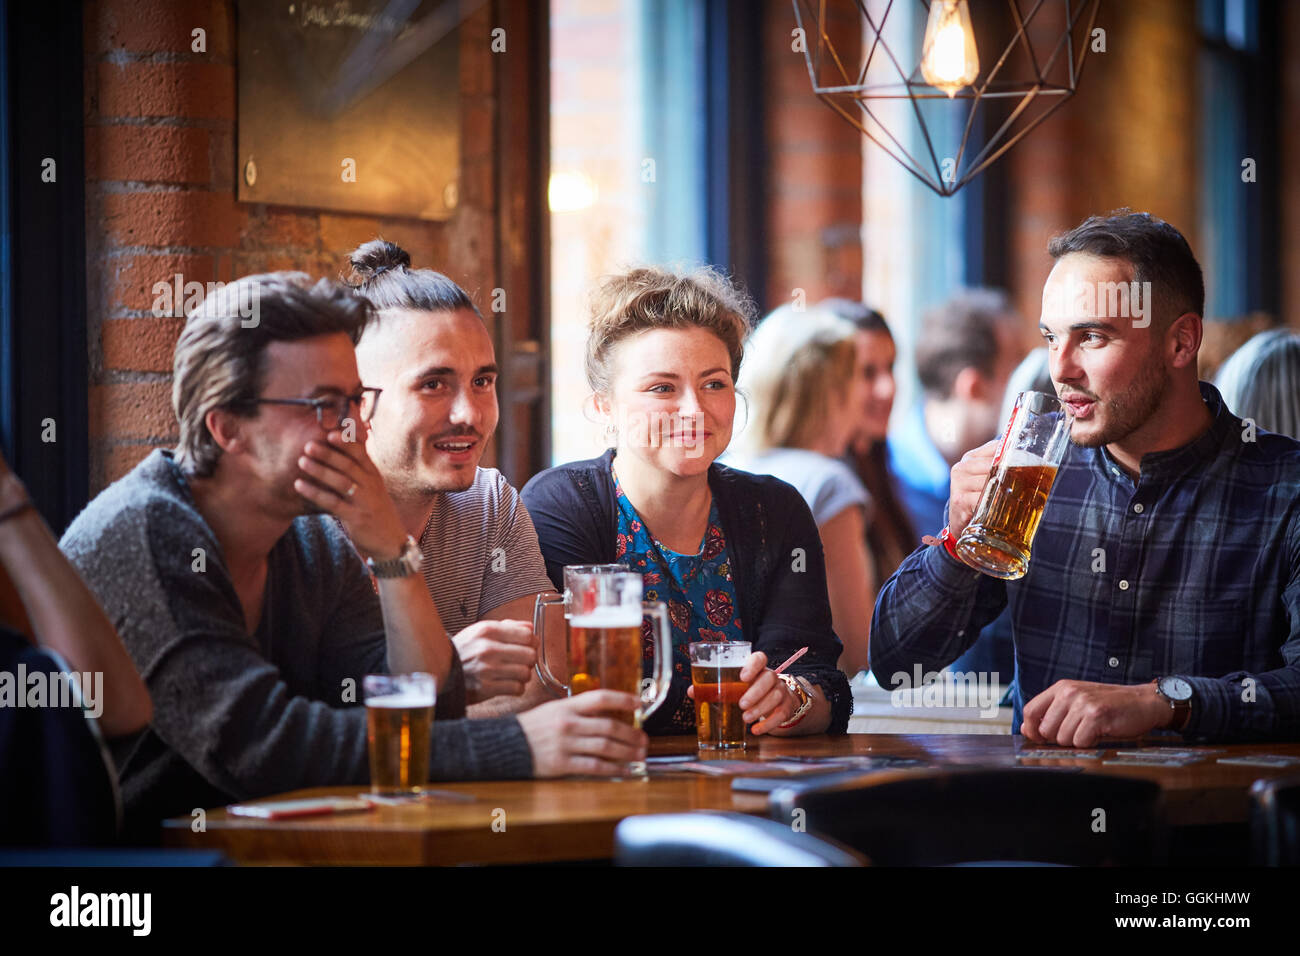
(949, 59)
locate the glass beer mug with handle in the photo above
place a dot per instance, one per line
(997, 541)
(603, 611)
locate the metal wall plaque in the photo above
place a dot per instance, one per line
(350, 106)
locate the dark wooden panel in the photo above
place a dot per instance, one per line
(523, 170)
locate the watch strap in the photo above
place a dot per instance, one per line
(399, 567)
(1182, 708)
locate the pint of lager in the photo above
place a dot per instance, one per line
(399, 725)
(715, 675)
(605, 651)
(603, 612)
(997, 541)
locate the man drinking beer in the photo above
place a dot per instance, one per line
(1163, 591)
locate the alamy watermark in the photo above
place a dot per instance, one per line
(946, 689)
(663, 430)
(41, 688)
(178, 299)
(130, 910)
(1115, 300)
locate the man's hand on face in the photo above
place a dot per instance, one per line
(1076, 713)
(968, 478)
(339, 478)
(498, 657)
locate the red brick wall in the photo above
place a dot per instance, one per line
(160, 199)
(1127, 138)
(814, 192)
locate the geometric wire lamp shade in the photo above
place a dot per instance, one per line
(915, 77)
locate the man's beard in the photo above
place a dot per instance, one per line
(417, 479)
(1132, 409)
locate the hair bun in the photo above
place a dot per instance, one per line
(376, 257)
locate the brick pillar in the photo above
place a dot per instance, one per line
(157, 117)
(814, 193)
(1127, 138)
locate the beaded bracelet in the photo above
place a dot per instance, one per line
(806, 700)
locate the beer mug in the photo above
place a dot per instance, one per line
(399, 725)
(603, 611)
(715, 675)
(997, 541)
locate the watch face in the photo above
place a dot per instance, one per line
(1175, 688)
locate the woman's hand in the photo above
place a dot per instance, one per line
(768, 701)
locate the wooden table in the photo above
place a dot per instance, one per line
(534, 821)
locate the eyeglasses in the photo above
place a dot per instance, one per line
(333, 410)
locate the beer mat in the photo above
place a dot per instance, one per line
(1148, 761)
(738, 768)
(669, 758)
(860, 761)
(1168, 753)
(1059, 753)
(424, 796)
(767, 784)
(1261, 760)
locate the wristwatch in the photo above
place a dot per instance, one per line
(1179, 694)
(408, 562)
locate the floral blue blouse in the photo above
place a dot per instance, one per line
(697, 588)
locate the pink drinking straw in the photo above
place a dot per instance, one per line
(791, 659)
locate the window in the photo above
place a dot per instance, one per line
(645, 164)
(1239, 168)
(916, 244)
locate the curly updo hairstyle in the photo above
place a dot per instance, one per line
(652, 297)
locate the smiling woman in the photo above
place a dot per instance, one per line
(734, 556)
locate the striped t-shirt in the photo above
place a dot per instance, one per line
(480, 551)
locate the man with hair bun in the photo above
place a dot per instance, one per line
(429, 350)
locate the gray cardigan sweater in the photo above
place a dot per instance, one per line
(237, 716)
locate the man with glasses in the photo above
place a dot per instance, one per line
(247, 608)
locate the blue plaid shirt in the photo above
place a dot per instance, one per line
(1193, 570)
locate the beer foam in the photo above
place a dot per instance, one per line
(401, 699)
(726, 657)
(608, 617)
(1020, 458)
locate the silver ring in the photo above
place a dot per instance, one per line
(353, 490)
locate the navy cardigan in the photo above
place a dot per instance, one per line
(776, 556)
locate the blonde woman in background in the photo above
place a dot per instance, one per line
(804, 380)
(1261, 381)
